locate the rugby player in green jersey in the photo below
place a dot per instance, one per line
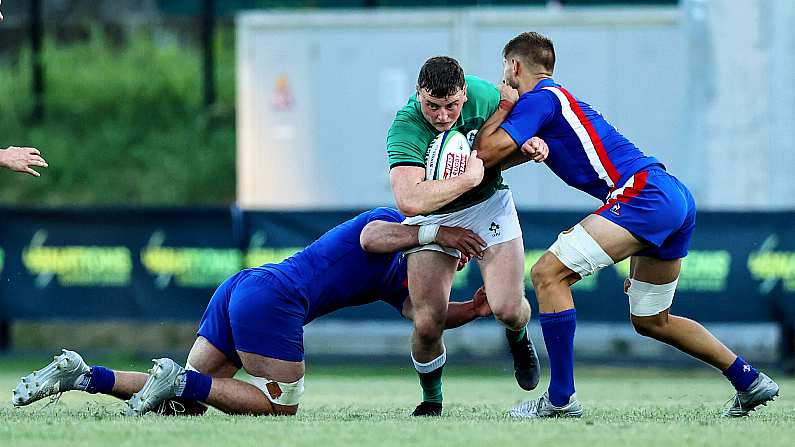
(478, 200)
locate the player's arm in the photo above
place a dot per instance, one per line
(458, 312)
(534, 149)
(493, 143)
(514, 125)
(414, 195)
(380, 236)
(21, 159)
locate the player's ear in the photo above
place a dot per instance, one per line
(464, 98)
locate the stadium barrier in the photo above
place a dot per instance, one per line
(163, 264)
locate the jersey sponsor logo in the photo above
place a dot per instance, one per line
(471, 137)
(616, 209)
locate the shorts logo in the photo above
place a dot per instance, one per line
(495, 229)
(616, 209)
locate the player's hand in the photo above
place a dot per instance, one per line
(627, 283)
(462, 262)
(474, 170)
(480, 303)
(463, 240)
(508, 93)
(536, 149)
(21, 159)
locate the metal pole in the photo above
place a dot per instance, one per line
(37, 69)
(787, 347)
(5, 335)
(207, 30)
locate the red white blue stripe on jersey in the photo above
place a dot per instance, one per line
(589, 138)
(632, 188)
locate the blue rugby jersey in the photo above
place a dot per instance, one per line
(585, 151)
(335, 272)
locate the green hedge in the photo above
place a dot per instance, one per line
(123, 125)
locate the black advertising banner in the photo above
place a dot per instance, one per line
(163, 264)
(114, 263)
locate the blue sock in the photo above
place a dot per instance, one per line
(741, 374)
(558, 329)
(197, 386)
(98, 380)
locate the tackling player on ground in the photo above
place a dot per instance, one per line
(447, 100)
(647, 215)
(255, 321)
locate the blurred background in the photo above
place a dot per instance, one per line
(190, 138)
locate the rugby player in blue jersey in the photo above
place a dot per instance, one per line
(255, 321)
(648, 215)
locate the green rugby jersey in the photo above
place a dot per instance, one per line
(410, 135)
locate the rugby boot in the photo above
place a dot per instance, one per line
(428, 409)
(543, 408)
(59, 376)
(526, 367)
(166, 380)
(761, 391)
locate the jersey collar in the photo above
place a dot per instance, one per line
(549, 82)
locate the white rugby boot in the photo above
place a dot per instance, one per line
(59, 376)
(761, 391)
(166, 380)
(543, 408)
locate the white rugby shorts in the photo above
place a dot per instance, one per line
(495, 220)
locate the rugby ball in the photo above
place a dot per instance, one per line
(447, 155)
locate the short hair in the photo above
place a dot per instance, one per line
(441, 76)
(533, 48)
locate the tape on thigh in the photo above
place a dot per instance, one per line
(278, 392)
(577, 250)
(434, 247)
(647, 299)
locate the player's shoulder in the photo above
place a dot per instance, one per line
(539, 99)
(408, 116)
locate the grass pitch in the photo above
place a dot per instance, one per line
(349, 406)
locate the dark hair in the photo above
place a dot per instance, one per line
(441, 76)
(533, 48)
